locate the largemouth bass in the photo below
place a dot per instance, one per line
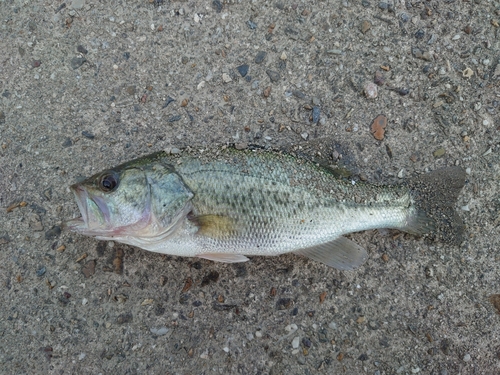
(227, 204)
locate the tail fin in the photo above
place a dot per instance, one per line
(434, 195)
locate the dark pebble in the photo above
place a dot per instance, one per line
(363, 357)
(67, 142)
(273, 76)
(383, 5)
(41, 271)
(197, 303)
(366, 3)
(403, 92)
(243, 69)
(251, 25)
(36, 63)
(88, 269)
(126, 55)
(306, 342)
(322, 335)
(426, 68)
(295, 311)
(77, 62)
(124, 318)
(241, 271)
(82, 49)
(174, 118)
(38, 209)
(315, 114)
(445, 346)
(6, 94)
(217, 5)
(64, 301)
(284, 303)
(168, 101)
(196, 265)
(261, 55)
(183, 299)
(248, 78)
(159, 310)
(405, 17)
(295, 282)
(420, 34)
(60, 7)
(222, 307)
(298, 94)
(2, 117)
(4, 238)
(212, 277)
(67, 295)
(53, 233)
(88, 135)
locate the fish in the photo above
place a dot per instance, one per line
(227, 204)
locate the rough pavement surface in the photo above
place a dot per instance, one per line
(87, 84)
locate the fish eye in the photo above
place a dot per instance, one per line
(108, 182)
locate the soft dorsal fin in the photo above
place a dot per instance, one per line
(224, 258)
(341, 253)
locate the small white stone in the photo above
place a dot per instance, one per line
(85, 301)
(204, 355)
(296, 342)
(226, 349)
(486, 122)
(332, 325)
(465, 208)
(467, 357)
(401, 173)
(291, 327)
(159, 331)
(283, 56)
(226, 78)
(196, 18)
(305, 135)
(258, 334)
(250, 336)
(467, 170)
(83, 355)
(456, 37)
(415, 370)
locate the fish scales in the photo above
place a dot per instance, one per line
(226, 204)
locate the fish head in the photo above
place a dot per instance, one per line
(137, 199)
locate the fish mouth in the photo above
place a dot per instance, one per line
(79, 224)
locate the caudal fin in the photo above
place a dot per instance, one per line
(434, 195)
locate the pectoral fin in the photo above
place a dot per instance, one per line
(341, 253)
(214, 226)
(224, 258)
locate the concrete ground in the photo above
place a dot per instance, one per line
(87, 84)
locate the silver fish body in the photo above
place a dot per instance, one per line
(228, 204)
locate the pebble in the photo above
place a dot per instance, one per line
(52, 233)
(315, 114)
(378, 127)
(296, 342)
(423, 55)
(255, 85)
(81, 356)
(81, 49)
(365, 26)
(67, 142)
(439, 152)
(124, 318)
(88, 269)
(284, 303)
(174, 118)
(306, 342)
(371, 90)
(468, 72)
(226, 78)
(251, 25)
(456, 37)
(88, 134)
(332, 325)
(243, 69)
(305, 135)
(161, 331)
(77, 62)
(77, 4)
(283, 56)
(258, 334)
(85, 301)
(273, 75)
(467, 357)
(41, 271)
(261, 55)
(420, 34)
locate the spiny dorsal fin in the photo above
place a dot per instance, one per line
(341, 253)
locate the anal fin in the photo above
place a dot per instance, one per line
(224, 258)
(341, 253)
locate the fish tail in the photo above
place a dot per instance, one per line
(434, 195)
